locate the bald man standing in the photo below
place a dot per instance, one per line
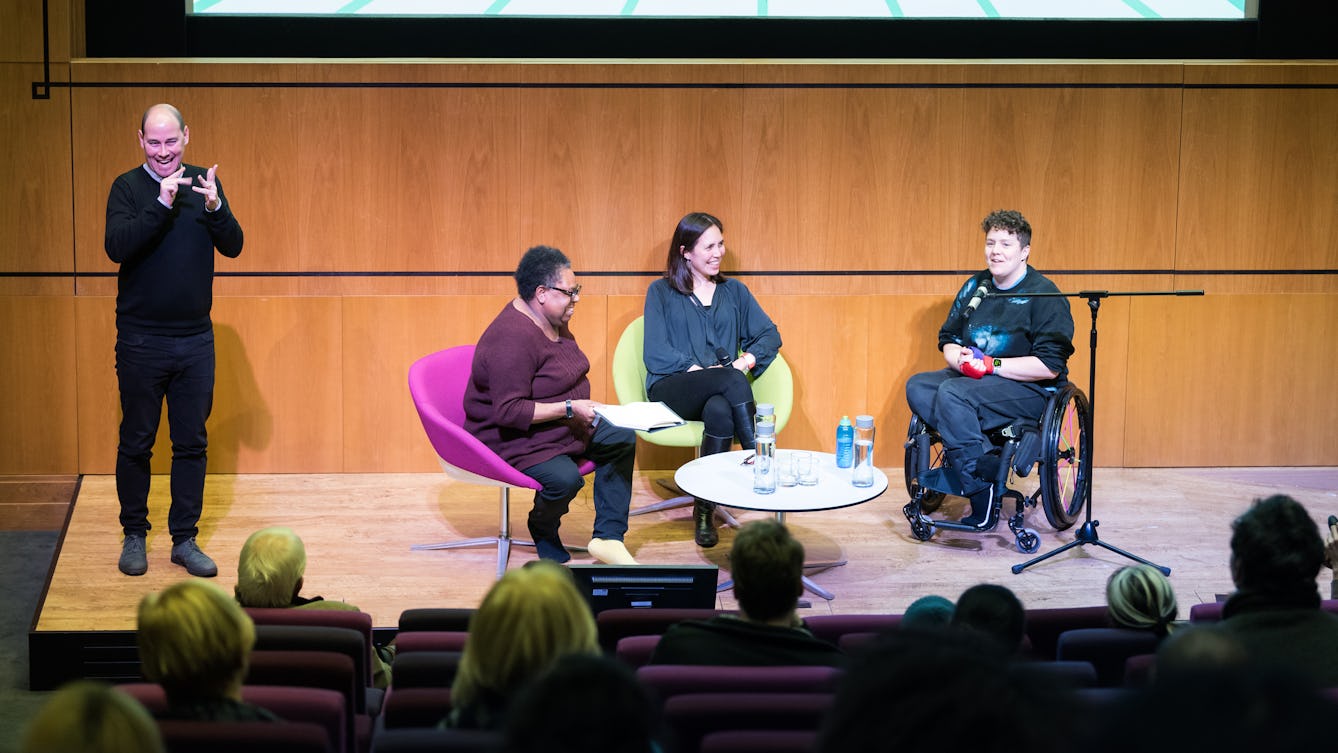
(164, 220)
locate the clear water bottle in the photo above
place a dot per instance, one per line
(862, 475)
(764, 460)
(845, 443)
(766, 414)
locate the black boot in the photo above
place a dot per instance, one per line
(703, 512)
(979, 491)
(743, 424)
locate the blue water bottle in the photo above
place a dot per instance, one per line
(845, 443)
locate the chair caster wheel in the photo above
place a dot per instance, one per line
(921, 527)
(1028, 541)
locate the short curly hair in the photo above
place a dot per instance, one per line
(541, 265)
(1011, 221)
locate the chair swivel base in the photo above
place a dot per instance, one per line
(503, 543)
(682, 500)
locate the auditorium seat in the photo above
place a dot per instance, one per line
(616, 624)
(830, 627)
(1045, 625)
(347, 641)
(665, 681)
(326, 708)
(1106, 648)
(1068, 674)
(425, 669)
(430, 640)
(1212, 611)
(314, 669)
(691, 716)
(635, 650)
(760, 741)
(416, 707)
(852, 642)
(435, 618)
(252, 737)
(438, 741)
(359, 621)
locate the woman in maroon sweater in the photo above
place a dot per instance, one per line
(529, 401)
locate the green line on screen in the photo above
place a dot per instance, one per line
(629, 7)
(895, 9)
(1240, 4)
(353, 7)
(203, 5)
(988, 7)
(496, 7)
(1142, 9)
(761, 8)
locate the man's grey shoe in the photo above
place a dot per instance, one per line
(133, 560)
(197, 563)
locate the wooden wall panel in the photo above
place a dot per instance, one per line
(277, 397)
(329, 180)
(37, 385)
(98, 396)
(21, 31)
(1227, 381)
(36, 192)
(383, 336)
(1257, 188)
(403, 205)
(277, 389)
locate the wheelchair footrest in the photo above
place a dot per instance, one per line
(941, 480)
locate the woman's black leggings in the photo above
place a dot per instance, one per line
(706, 395)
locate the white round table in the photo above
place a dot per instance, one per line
(727, 479)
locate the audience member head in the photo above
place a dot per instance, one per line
(194, 640)
(91, 717)
(270, 568)
(994, 612)
(1275, 547)
(678, 269)
(927, 613)
(918, 692)
(541, 265)
(528, 619)
(582, 704)
(1141, 598)
(768, 568)
(1198, 649)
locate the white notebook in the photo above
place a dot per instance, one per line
(640, 416)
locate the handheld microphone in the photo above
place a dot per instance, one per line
(976, 298)
(722, 357)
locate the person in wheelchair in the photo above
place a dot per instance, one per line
(1005, 353)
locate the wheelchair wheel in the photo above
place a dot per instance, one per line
(1066, 456)
(923, 452)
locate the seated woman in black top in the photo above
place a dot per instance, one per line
(704, 334)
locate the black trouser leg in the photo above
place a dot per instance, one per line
(703, 512)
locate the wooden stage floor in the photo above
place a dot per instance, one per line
(358, 530)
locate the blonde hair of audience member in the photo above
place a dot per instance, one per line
(195, 641)
(529, 619)
(91, 717)
(270, 568)
(1140, 597)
